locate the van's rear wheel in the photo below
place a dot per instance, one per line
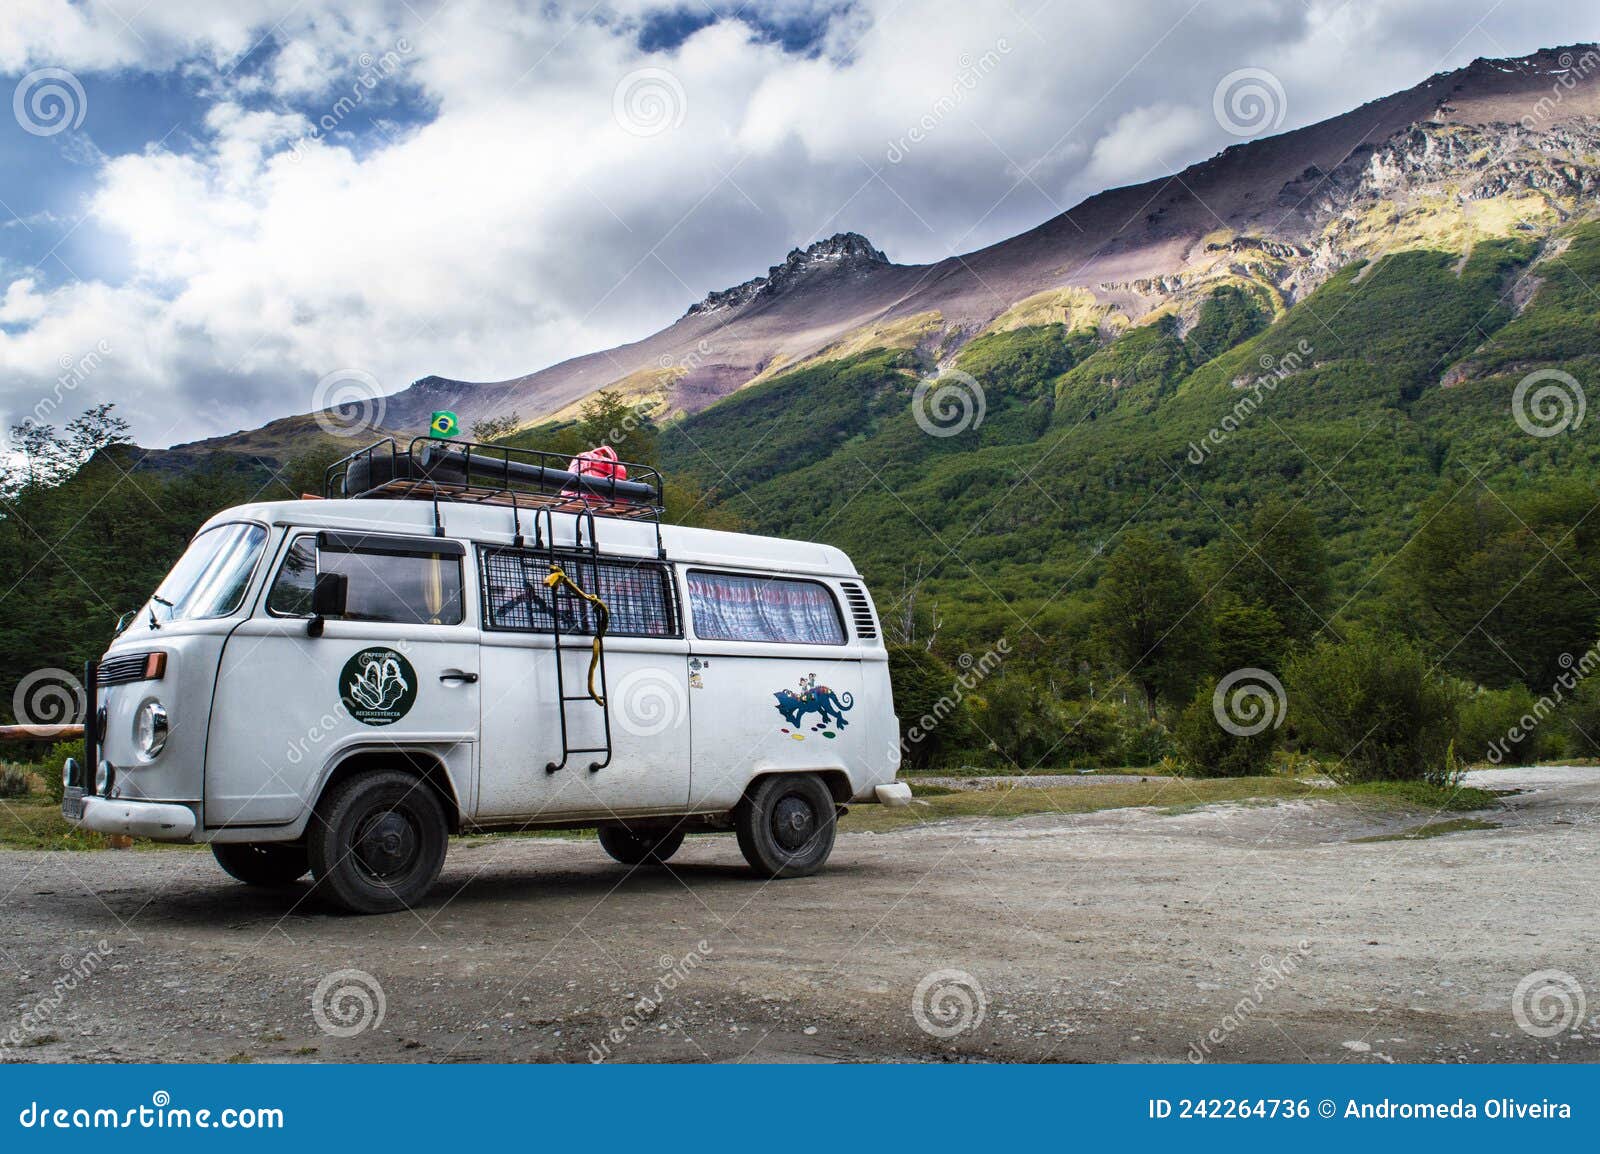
(786, 825)
(262, 863)
(639, 847)
(377, 842)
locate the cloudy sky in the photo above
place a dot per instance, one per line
(206, 208)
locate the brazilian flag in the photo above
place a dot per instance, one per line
(444, 424)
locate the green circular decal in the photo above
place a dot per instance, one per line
(378, 686)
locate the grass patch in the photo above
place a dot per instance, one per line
(1430, 830)
(1085, 798)
(35, 822)
(1421, 795)
(1172, 795)
(1041, 771)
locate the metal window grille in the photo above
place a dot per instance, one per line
(639, 594)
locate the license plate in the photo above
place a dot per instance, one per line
(72, 804)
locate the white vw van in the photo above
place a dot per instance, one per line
(465, 638)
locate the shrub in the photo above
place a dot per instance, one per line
(54, 760)
(931, 700)
(14, 781)
(1208, 750)
(1144, 742)
(1375, 708)
(1500, 726)
(1581, 721)
(1029, 725)
(1086, 734)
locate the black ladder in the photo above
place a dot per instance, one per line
(544, 535)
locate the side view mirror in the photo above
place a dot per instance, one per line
(328, 596)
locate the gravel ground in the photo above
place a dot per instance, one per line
(1230, 932)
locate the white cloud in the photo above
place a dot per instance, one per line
(521, 223)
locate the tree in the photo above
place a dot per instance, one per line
(1503, 592)
(1281, 564)
(1244, 634)
(493, 428)
(932, 704)
(1151, 619)
(1375, 706)
(606, 419)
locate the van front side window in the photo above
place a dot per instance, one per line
(404, 589)
(727, 607)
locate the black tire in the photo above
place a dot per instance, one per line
(377, 842)
(262, 863)
(639, 847)
(786, 824)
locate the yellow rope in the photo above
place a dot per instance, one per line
(558, 576)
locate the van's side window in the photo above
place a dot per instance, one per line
(406, 589)
(728, 607)
(638, 594)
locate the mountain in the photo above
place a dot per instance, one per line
(1495, 149)
(1337, 379)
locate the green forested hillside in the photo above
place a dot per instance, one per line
(1125, 516)
(1074, 449)
(1372, 421)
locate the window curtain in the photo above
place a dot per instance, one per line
(730, 608)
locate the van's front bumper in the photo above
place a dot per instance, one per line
(161, 820)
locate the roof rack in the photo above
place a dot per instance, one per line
(433, 469)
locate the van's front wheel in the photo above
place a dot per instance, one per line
(786, 825)
(377, 842)
(264, 863)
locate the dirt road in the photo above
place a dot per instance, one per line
(1232, 932)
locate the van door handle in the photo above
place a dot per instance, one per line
(459, 675)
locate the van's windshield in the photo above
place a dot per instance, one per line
(209, 580)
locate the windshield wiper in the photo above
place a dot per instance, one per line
(154, 624)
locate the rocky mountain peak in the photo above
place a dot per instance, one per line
(841, 251)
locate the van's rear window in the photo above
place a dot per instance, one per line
(730, 607)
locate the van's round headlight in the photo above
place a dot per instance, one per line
(150, 728)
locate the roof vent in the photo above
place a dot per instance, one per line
(860, 610)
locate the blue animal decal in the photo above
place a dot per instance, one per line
(814, 698)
